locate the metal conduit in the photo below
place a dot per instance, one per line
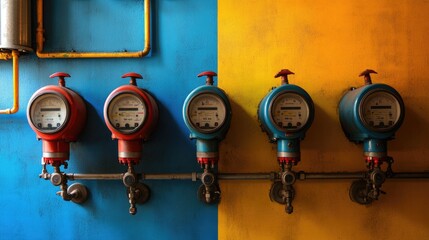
(330, 175)
(245, 176)
(15, 81)
(40, 39)
(95, 176)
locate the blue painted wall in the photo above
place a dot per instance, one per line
(184, 43)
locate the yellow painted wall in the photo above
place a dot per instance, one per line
(327, 44)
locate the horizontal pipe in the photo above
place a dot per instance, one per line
(96, 176)
(330, 175)
(245, 176)
(171, 176)
(411, 175)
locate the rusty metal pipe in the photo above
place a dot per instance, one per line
(244, 176)
(15, 79)
(171, 176)
(409, 175)
(330, 175)
(99, 176)
(118, 176)
(40, 39)
(247, 176)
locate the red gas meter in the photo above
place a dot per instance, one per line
(57, 115)
(131, 114)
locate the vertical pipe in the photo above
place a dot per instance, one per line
(15, 76)
(40, 39)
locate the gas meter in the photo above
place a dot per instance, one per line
(57, 115)
(371, 115)
(207, 114)
(131, 114)
(285, 115)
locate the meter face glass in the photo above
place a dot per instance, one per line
(126, 112)
(207, 112)
(289, 112)
(49, 112)
(380, 111)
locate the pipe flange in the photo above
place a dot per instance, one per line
(358, 192)
(209, 195)
(277, 192)
(78, 192)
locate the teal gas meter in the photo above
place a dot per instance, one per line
(285, 114)
(371, 115)
(207, 114)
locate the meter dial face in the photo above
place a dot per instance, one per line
(207, 112)
(289, 112)
(127, 112)
(380, 111)
(49, 112)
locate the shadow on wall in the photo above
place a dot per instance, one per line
(412, 130)
(408, 149)
(246, 148)
(167, 147)
(95, 151)
(326, 148)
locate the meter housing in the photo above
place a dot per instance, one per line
(131, 114)
(374, 111)
(207, 114)
(285, 114)
(57, 115)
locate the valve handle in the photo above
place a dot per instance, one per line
(283, 74)
(133, 77)
(366, 76)
(61, 76)
(210, 75)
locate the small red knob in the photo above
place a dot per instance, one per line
(366, 76)
(133, 77)
(61, 76)
(210, 75)
(283, 74)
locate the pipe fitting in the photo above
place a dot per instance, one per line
(129, 179)
(377, 177)
(208, 178)
(56, 179)
(288, 177)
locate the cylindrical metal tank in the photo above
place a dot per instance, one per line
(15, 25)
